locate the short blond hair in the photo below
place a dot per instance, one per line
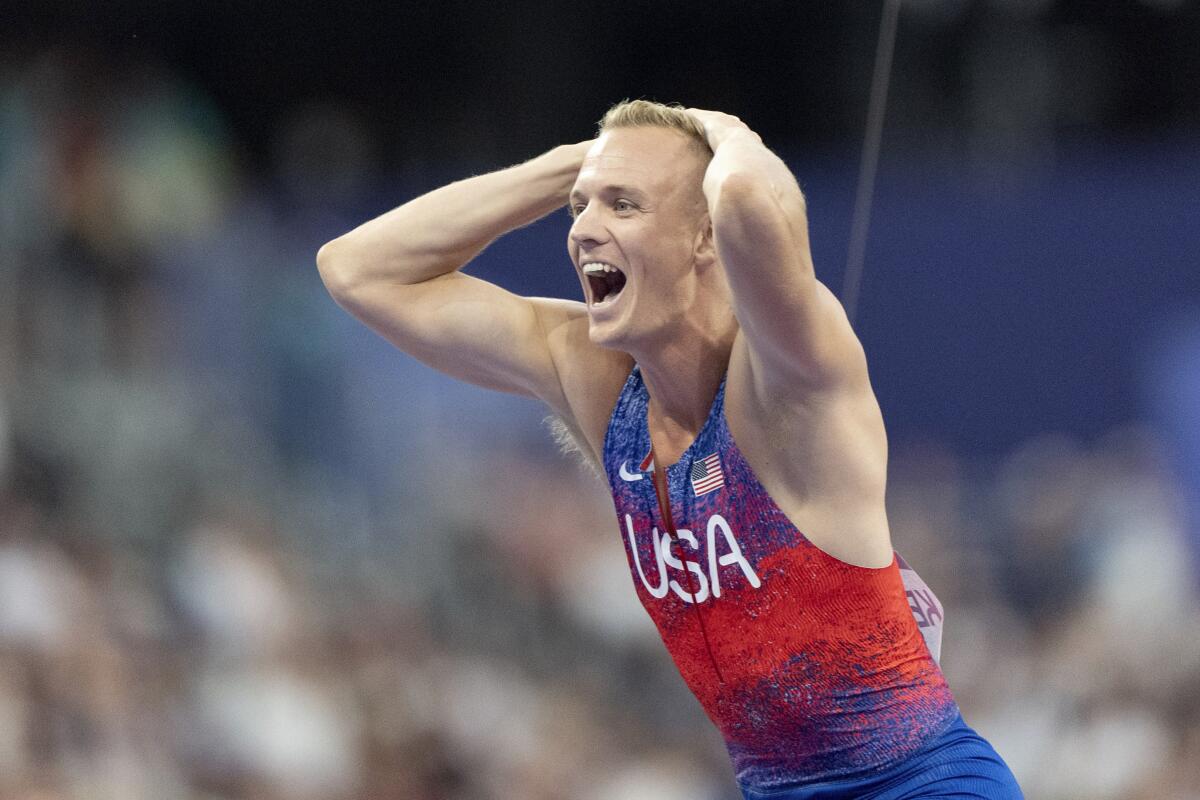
(649, 114)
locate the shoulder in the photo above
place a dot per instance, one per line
(796, 413)
(819, 450)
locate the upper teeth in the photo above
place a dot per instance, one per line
(598, 266)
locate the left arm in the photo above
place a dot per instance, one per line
(795, 328)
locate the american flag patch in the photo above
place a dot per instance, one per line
(707, 475)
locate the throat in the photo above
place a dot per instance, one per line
(669, 439)
(681, 400)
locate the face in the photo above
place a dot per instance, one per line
(639, 232)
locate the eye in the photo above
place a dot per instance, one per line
(576, 209)
(623, 205)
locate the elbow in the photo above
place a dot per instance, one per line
(336, 265)
(331, 260)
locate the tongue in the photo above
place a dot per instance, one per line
(599, 287)
(616, 282)
(606, 286)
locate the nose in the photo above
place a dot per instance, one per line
(587, 229)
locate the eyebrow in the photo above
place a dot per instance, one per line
(612, 190)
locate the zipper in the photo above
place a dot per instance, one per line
(664, 507)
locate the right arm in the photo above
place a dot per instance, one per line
(399, 274)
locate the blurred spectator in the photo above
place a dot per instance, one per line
(248, 552)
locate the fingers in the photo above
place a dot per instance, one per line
(718, 125)
(705, 115)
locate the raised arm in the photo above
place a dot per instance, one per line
(399, 274)
(796, 330)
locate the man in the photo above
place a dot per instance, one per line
(721, 389)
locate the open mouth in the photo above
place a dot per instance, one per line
(605, 281)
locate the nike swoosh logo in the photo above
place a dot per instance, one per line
(630, 476)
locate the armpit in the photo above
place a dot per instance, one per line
(570, 443)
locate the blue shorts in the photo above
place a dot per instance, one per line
(957, 765)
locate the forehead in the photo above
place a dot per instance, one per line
(651, 158)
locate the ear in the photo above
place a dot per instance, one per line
(705, 249)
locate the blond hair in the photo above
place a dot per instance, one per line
(647, 114)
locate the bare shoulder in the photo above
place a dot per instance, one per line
(590, 377)
(820, 451)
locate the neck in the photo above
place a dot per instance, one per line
(682, 373)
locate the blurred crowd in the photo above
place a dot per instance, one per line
(247, 551)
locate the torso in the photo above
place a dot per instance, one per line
(822, 457)
(814, 669)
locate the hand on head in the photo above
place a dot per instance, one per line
(719, 125)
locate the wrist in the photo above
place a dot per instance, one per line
(719, 135)
(559, 166)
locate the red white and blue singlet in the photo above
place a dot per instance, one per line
(815, 671)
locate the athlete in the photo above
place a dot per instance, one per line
(720, 388)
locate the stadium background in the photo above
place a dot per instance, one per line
(248, 551)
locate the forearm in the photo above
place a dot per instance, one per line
(441, 231)
(792, 325)
(752, 195)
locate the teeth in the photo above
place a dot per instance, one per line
(596, 267)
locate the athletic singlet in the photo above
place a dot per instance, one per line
(812, 669)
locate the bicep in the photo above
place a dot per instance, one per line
(467, 328)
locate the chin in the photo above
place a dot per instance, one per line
(606, 335)
(614, 327)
